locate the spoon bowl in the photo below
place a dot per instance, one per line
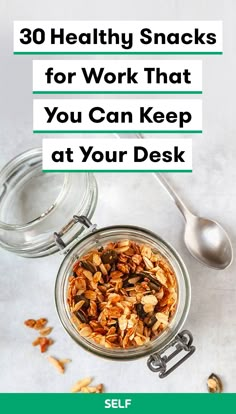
(208, 242)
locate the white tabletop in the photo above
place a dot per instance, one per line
(27, 285)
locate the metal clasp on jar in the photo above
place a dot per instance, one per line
(157, 362)
(76, 219)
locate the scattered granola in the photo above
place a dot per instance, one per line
(122, 295)
(214, 384)
(43, 342)
(84, 387)
(59, 364)
(36, 323)
(80, 384)
(45, 331)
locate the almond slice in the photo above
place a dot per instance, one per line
(57, 364)
(80, 384)
(45, 331)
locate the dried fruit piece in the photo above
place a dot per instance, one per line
(30, 323)
(214, 384)
(36, 324)
(80, 384)
(43, 342)
(99, 388)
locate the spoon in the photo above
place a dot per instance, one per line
(205, 239)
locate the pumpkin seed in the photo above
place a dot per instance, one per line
(78, 298)
(89, 266)
(81, 316)
(140, 311)
(151, 321)
(134, 280)
(109, 257)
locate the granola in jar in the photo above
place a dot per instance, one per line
(122, 295)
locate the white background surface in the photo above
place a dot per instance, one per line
(26, 286)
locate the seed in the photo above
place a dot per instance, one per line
(140, 311)
(81, 315)
(78, 298)
(151, 322)
(214, 384)
(89, 266)
(109, 257)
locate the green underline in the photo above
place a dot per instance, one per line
(118, 53)
(115, 131)
(114, 171)
(114, 92)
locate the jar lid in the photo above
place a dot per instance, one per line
(35, 205)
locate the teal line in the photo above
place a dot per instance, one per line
(113, 171)
(114, 131)
(114, 92)
(118, 53)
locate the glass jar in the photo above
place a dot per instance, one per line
(34, 205)
(41, 214)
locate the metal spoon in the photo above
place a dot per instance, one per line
(205, 239)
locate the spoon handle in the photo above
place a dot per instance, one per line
(172, 193)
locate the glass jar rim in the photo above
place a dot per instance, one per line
(8, 170)
(132, 353)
